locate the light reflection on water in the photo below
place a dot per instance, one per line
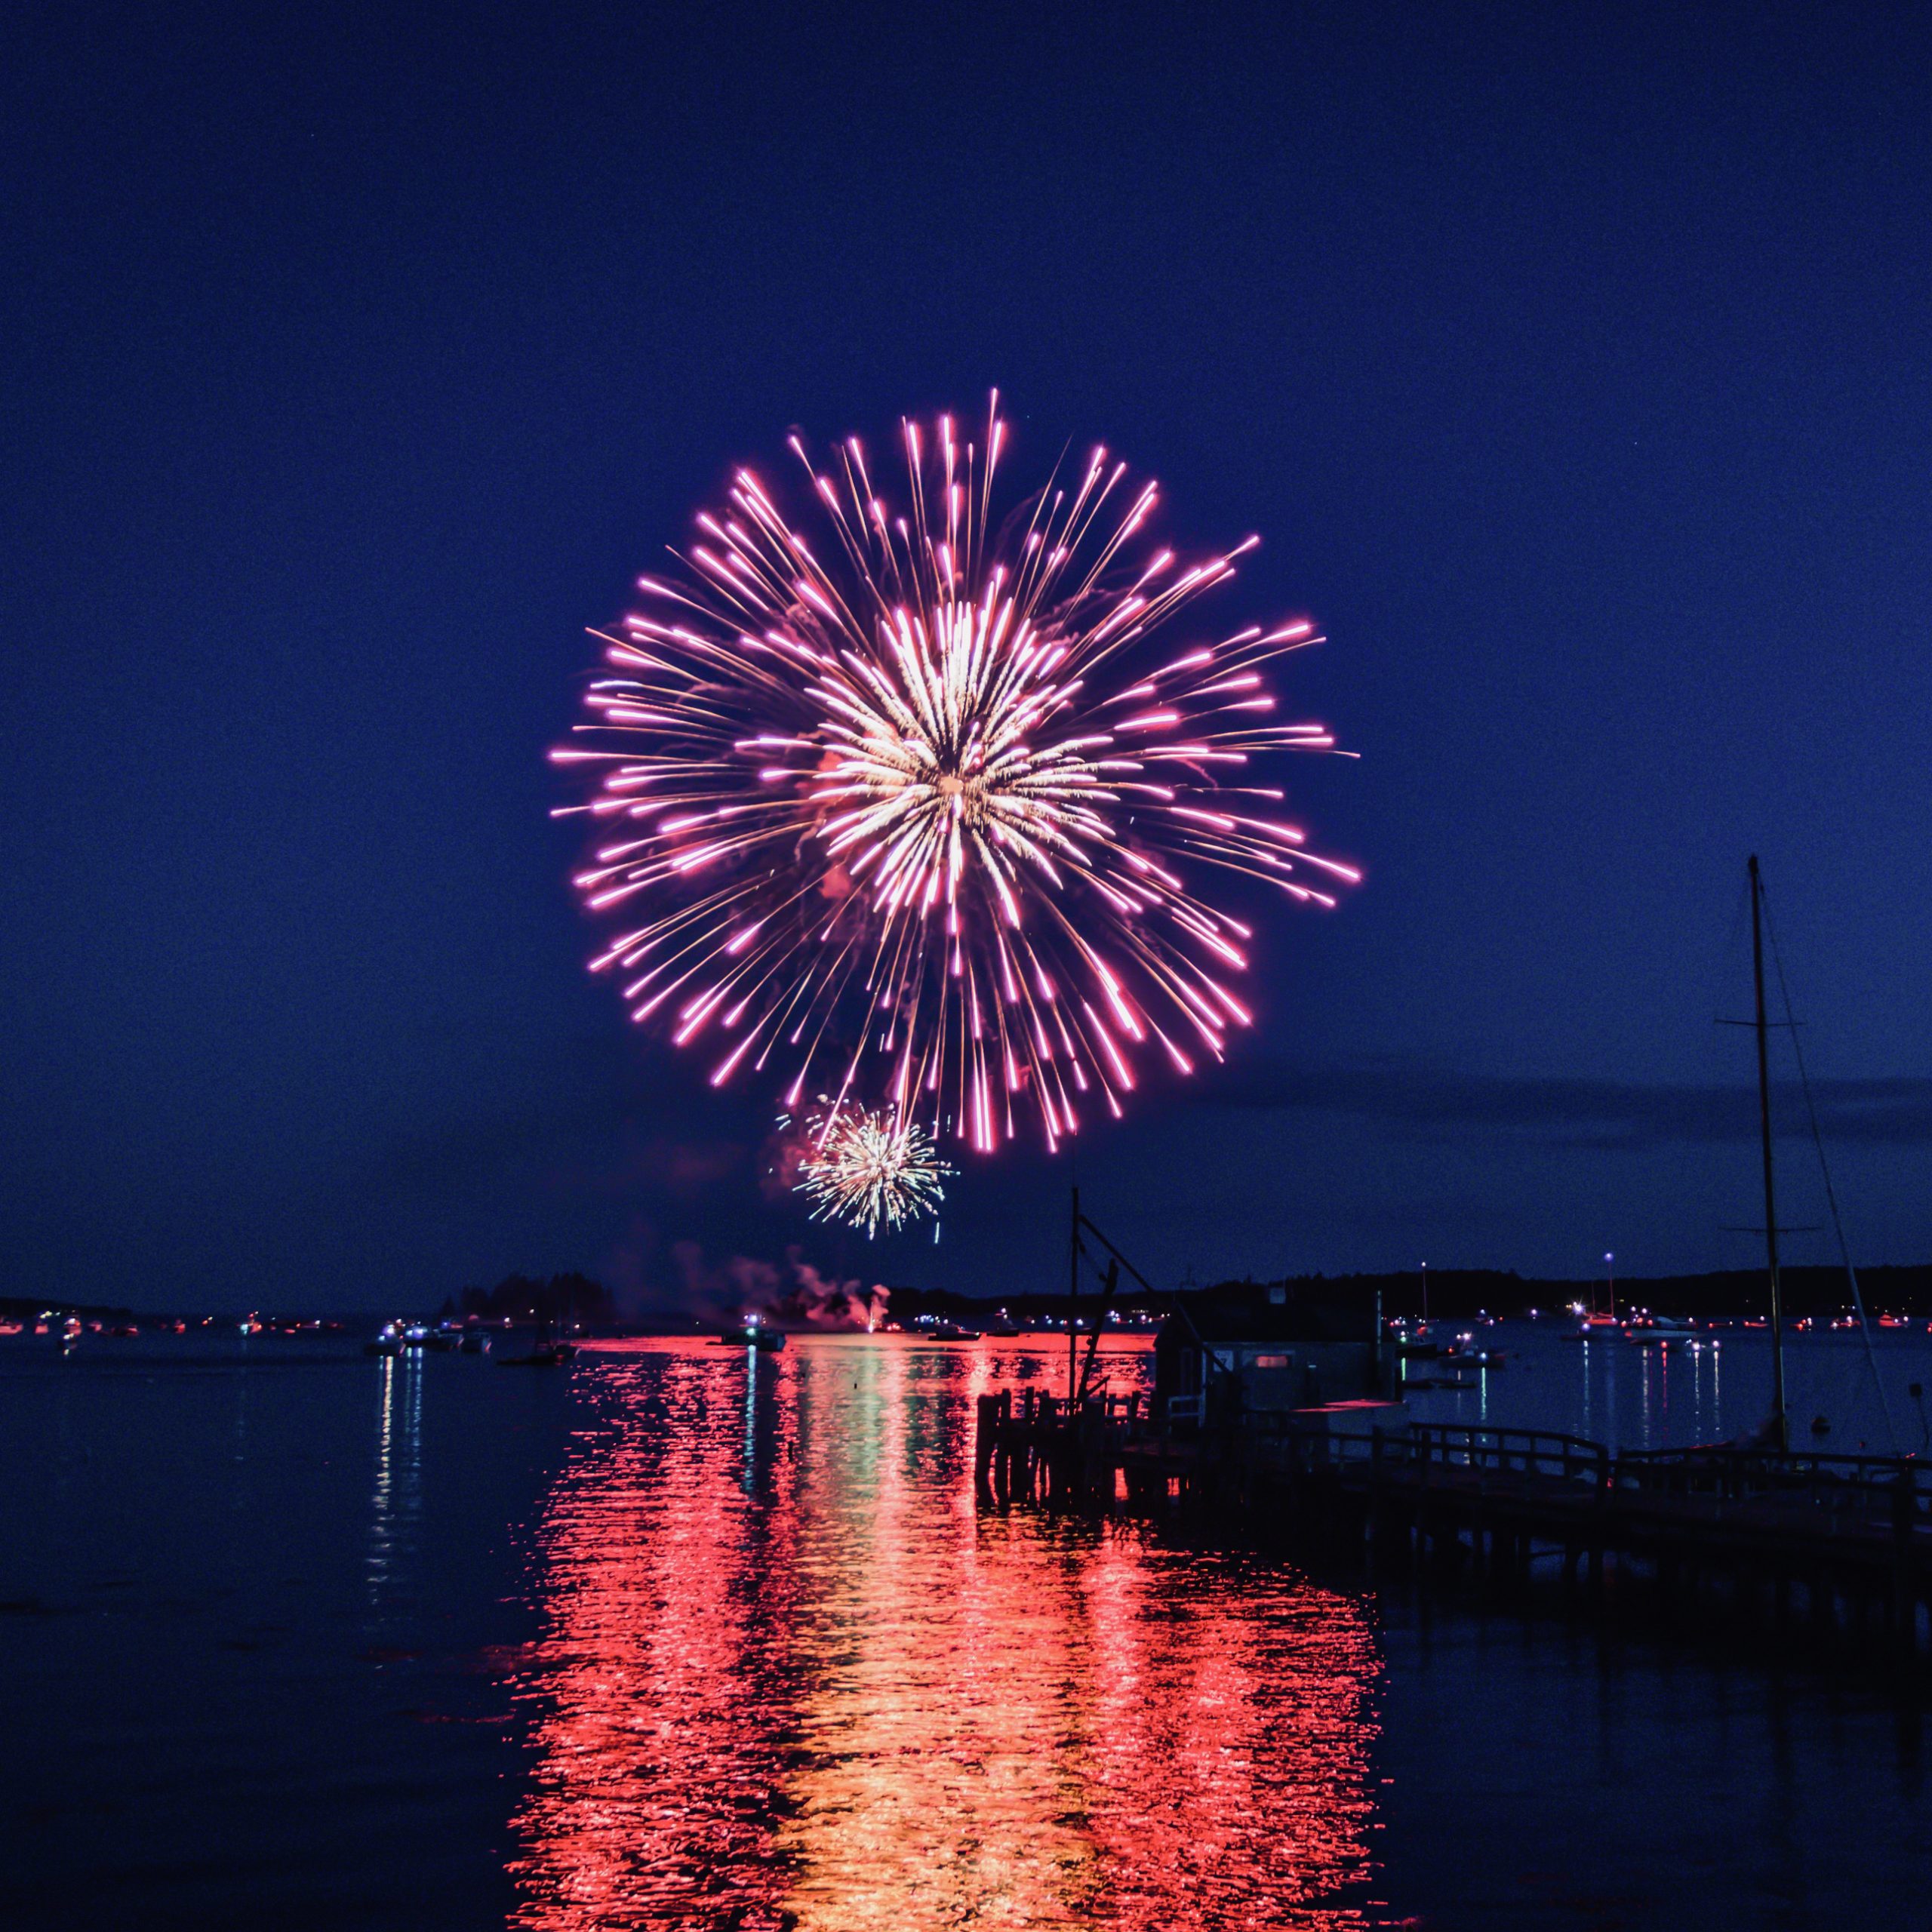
(1715, 1388)
(397, 1502)
(792, 1677)
(289, 1637)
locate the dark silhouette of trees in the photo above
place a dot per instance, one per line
(564, 1300)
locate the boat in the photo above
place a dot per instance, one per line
(750, 1332)
(547, 1350)
(1660, 1331)
(397, 1337)
(1594, 1328)
(422, 1339)
(542, 1355)
(1775, 1432)
(1464, 1357)
(938, 1329)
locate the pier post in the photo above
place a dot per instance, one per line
(1904, 1606)
(1824, 1608)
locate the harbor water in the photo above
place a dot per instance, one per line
(688, 1636)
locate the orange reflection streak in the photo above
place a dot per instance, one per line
(830, 1694)
(930, 1792)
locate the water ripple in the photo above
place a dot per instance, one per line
(793, 1677)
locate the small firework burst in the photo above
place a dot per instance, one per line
(866, 1165)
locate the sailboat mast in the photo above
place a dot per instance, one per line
(1765, 1137)
(1072, 1297)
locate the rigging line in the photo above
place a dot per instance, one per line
(1824, 1168)
(1172, 1295)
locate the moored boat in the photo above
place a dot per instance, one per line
(750, 1332)
(542, 1355)
(1660, 1331)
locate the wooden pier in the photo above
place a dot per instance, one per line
(1804, 1550)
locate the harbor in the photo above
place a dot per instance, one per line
(705, 1635)
(1277, 1415)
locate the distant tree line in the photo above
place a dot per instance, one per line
(565, 1300)
(1454, 1292)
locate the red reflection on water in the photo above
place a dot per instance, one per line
(657, 1689)
(794, 1678)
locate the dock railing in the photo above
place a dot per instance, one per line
(1526, 1452)
(1875, 1491)
(1835, 1491)
(1426, 1450)
(1895, 1491)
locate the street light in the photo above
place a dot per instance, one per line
(1424, 1291)
(1610, 1266)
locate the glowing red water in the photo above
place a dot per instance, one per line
(795, 1678)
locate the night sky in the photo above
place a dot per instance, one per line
(1572, 365)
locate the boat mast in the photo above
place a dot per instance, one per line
(1778, 1420)
(1072, 1297)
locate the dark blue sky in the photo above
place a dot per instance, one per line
(1573, 363)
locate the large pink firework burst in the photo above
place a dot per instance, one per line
(915, 808)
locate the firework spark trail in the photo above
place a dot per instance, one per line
(868, 1165)
(915, 817)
